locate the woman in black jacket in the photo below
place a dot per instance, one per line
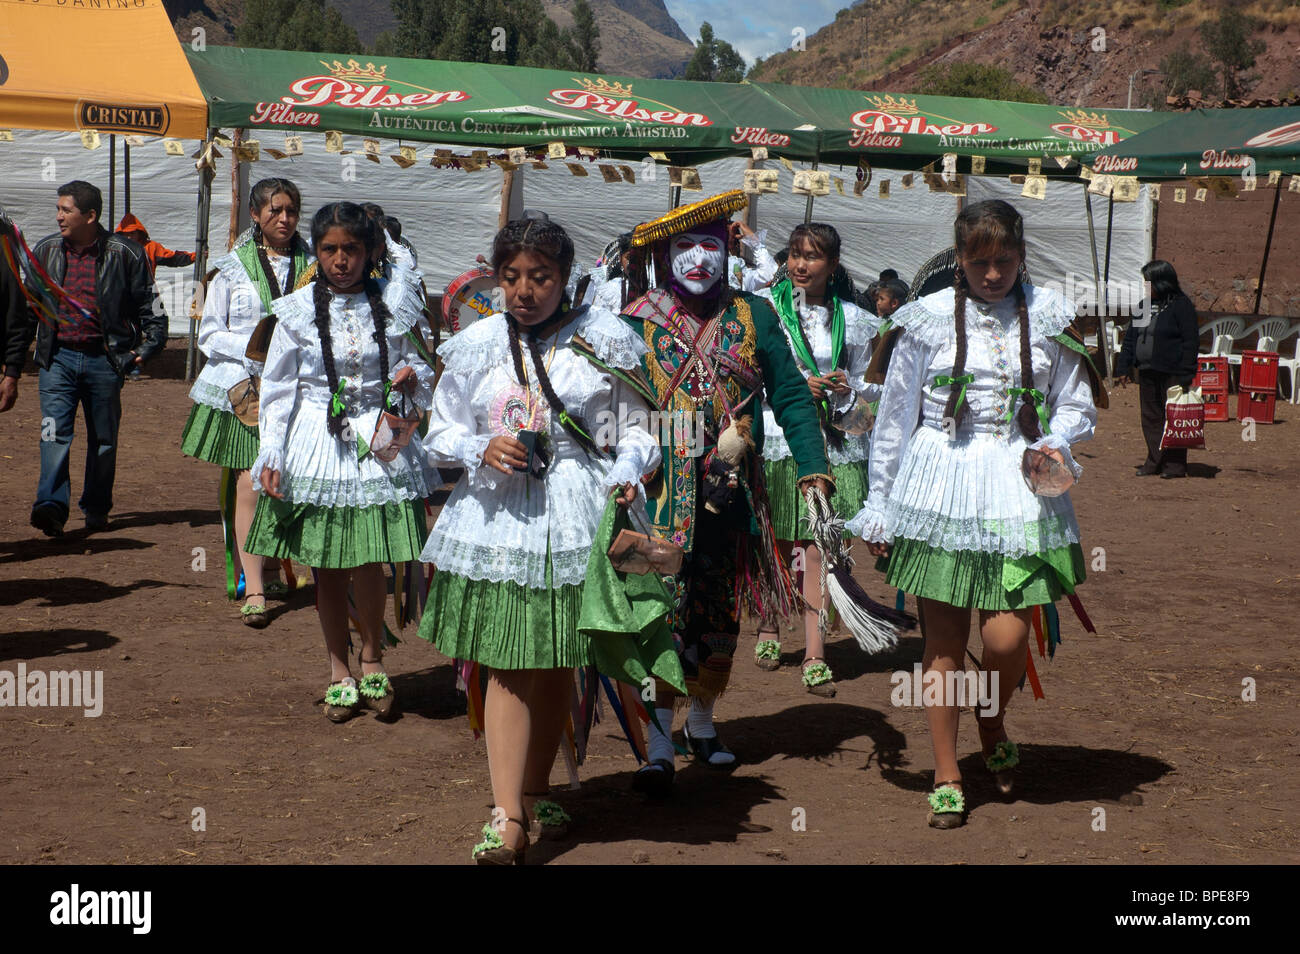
(1163, 352)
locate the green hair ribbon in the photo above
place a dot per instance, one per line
(944, 381)
(1037, 399)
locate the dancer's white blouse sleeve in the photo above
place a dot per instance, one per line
(278, 397)
(896, 420)
(216, 340)
(637, 453)
(1069, 395)
(453, 438)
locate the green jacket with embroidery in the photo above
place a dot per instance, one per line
(751, 357)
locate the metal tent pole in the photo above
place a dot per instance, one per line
(200, 260)
(1268, 243)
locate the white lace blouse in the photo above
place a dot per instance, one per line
(860, 328)
(499, 526)
(231, 311)
(960, 487)
(315, 466)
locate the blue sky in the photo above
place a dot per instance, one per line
(754, 27)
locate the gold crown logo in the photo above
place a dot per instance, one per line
(353, 70)
(888, 104)
(1086, 119)
(603, 88)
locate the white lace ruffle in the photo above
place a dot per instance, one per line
(486, 343)
(930, 319)
(210, 387)
(967, 494)
(268, 458)
(401, 295)
(775, 447)
(506, 534)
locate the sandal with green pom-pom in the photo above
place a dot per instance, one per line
(1005, 757)
(552, 820)
(341, 700)
(377, 693)
(254, 614)
(767, 654)
(817, 677)
(947, 805)
(493, 850)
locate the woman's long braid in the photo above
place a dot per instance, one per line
(1027, 415)
(952, 411)
(321, 299)
(512, 329)
(380, 315)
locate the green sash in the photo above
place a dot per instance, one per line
(783, 298)
(247, 255)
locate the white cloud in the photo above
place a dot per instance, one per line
(758, 27)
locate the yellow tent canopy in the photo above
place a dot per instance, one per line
(111, 65)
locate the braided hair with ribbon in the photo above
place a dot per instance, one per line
(991, 227)
(354, 221)
(538, 236)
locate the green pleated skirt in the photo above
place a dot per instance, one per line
(987, 581)
(788, 507)
(219, 437)
(337, 538)
(505, 625)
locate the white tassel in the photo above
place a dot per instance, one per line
(874, 629)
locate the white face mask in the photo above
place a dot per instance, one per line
(698, 260)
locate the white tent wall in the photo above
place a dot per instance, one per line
(451, 215)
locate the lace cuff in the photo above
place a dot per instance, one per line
(1058, 443)
(478, 475)
(869, 523)
(267, 459)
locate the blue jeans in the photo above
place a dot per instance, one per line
(73, 378)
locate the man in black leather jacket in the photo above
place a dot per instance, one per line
(86, 356)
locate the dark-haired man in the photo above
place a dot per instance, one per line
(108, 326)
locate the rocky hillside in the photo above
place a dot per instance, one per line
(1075, 51)
(637, 37)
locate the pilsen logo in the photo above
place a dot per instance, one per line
(351, 86)
(123, 117)
(1083, 126)
(1114, 164)
(615, 99)
(883, 125)
(759, 136)
(1281, 136)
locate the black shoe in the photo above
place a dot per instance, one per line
(46, 520)
(1170, 475)
(96, 522)
(655, 779)
(1146, 470)
(703, 750)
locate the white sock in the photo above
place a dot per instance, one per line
(660, 745)
(699, 720)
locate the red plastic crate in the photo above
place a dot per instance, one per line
(1257, 405)
(1211, 380)
(1216, 405)
(1258, 371)
(1212, 362)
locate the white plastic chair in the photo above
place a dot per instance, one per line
(1291, 365)
(1228, 327)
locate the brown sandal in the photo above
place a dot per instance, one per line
(947, 805)
(767, 652)
(818, 678)
(493, 850)
(254, 616)
(376, 692)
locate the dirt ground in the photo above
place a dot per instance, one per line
(1145, 720)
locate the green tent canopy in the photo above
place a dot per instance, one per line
(1210, 142)
(906, 131)
(483, 104)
